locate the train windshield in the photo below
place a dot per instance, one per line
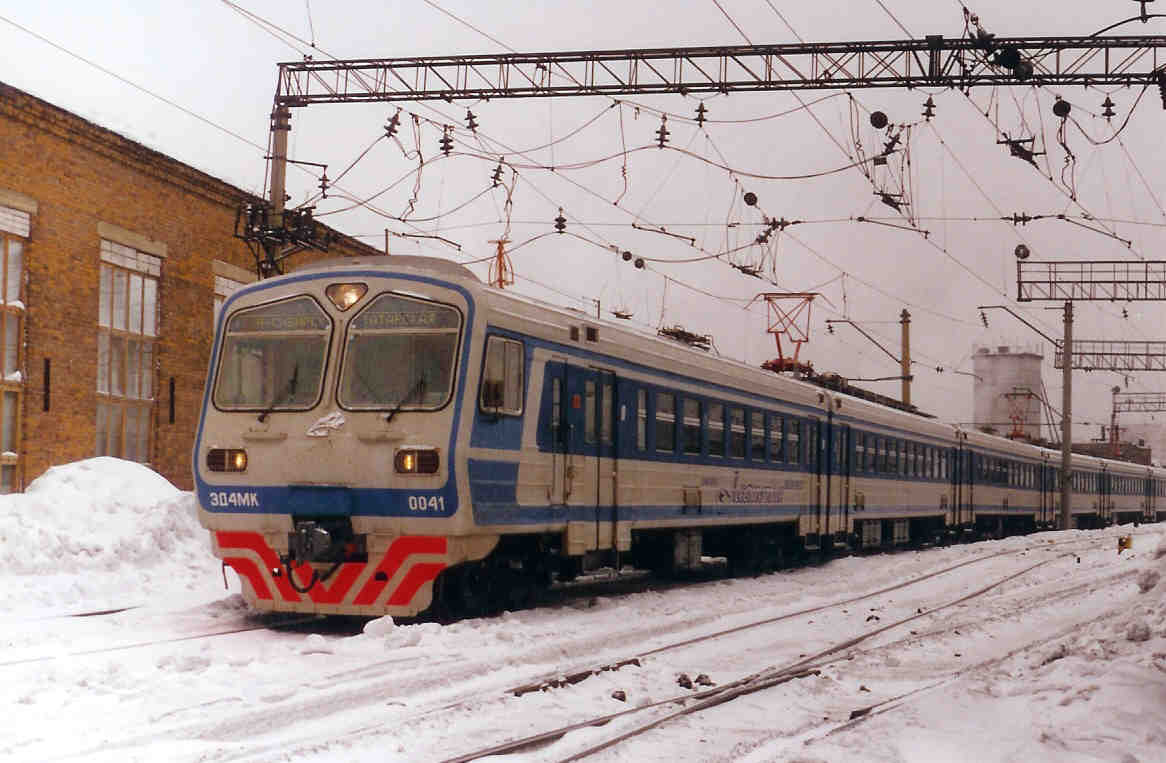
(273, 357)
(400, 354)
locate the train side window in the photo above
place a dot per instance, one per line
(589, 412)
(859, 451)
(665, 422)
(813, 444)
(737, 432)
(716, 429)
(775, 453)
(502, 377)
(641, 419)
(872, 453)
(757, 436)
(793, 441)
(692, 426)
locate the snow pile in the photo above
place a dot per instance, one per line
(98, 533)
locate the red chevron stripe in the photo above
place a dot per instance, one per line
(401, 549)
(333, 594)
(248, 569)
(252, 541)
(418, 575)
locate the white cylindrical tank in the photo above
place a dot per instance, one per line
(1008, 390)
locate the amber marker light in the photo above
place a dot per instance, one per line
(345, 295)
(416, 461)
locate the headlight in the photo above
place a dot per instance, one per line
(345, 295)
(226, 460)
(416, 461)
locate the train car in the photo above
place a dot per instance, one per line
(899, 466)
(388, 435)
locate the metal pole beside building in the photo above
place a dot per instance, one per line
(1067, 419)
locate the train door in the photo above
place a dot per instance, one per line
(963, 476)
(843, 450)
(606, 464)
(559, 428)
(590, 469)
(1045, 507)
(819, 467)
(1104, 497)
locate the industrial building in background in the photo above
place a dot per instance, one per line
(1008, 391)
(113, 261)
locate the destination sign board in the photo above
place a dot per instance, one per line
(296, 315)
(394, 313)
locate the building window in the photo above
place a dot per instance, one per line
(224, 287)
(127, 331)
(14, 228)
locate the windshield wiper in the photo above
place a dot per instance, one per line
(418, 387)
(285, 395)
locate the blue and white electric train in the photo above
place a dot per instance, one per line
(384, 435)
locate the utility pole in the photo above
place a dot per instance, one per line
(905, 359)
(1067, 420)
(280, 127)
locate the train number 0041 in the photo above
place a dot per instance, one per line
(427, 503)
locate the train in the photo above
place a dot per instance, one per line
(391, 436)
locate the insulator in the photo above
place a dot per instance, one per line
(627, 256)
(446, 142)
(984, 318)
(662, 133)
(878, 120)
(324, 185)
(560, 222)
(750, 199)
(471, 122)
(639, 263)
(700, 112)
(393, 123)
(830, 327)
(1062, 107)
(497, 176)
(1162, 86)
(929, 108)
(1108, 111)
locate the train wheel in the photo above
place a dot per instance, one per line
(465, 591)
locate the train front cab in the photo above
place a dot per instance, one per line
(345, 498)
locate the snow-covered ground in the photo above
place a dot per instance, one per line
(1063, 661)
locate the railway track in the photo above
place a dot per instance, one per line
(421, 694)
(766, 678)
(478, 701)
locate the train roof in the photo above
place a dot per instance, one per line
(754, 375)
(432, 265)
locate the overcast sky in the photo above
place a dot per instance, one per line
(216, 62)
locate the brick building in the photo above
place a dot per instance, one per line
(113, 260)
